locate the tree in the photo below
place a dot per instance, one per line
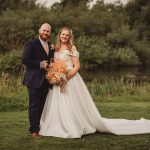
(73, 3)
(16, 4)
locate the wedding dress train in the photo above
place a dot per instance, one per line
(73, 113)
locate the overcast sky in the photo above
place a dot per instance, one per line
(50, 2)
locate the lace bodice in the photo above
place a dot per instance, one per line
(65, 55)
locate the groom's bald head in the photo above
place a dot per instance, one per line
(45, 26)
(45, 31)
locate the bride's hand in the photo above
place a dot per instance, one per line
(71, 74)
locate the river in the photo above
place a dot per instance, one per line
(113, 73)
(104, 74)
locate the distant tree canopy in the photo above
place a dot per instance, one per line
(106, 34)
(16, 4)
(72, 3)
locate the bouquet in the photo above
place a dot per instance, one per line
(57, 73)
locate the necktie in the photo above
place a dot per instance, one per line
(45, 45)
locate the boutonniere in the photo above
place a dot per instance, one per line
(51, 47)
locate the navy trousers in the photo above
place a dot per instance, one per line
(37, 97)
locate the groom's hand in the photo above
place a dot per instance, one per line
(44, 64)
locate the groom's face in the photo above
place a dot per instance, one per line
(44, 32)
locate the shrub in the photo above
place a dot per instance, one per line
(11, 61)
(125, 56)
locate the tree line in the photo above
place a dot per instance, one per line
(105, 35)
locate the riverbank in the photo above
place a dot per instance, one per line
(14, 96)
(114, 99)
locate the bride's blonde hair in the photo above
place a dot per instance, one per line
(70, 41)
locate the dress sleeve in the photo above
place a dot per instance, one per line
(74, 52)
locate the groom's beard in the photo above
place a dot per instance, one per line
(44, 37)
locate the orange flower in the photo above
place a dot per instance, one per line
(57, 73)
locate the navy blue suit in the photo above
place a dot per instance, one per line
(34, 79)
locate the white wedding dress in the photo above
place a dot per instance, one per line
(73, 113)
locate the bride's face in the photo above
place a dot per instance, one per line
(64, 36)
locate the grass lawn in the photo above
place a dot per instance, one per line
(14, 131)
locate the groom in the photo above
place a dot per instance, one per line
(36, 57)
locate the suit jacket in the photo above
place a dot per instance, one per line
(32, 55)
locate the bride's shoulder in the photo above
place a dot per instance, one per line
(74, 48)
(74, 51)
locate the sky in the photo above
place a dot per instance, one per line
(48, 3)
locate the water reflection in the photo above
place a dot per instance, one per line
(104, 74)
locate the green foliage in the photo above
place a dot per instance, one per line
(17, 29)
(122, 37)
(14, 33)
(72, 3)
(13, 95)
(145, 14)
(138, 13)
(11, 61)
(143, 51)
(93, 50)
(97, 51)
(126, 92)
(16, 4)
(125, 57)
(107, 34)
(74, 18)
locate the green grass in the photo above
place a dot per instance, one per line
(114, 99)
(14, 132)
(14, 96)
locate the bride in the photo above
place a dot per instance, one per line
(73, 113)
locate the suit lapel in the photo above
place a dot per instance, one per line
(42, 51)
(39, 44)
